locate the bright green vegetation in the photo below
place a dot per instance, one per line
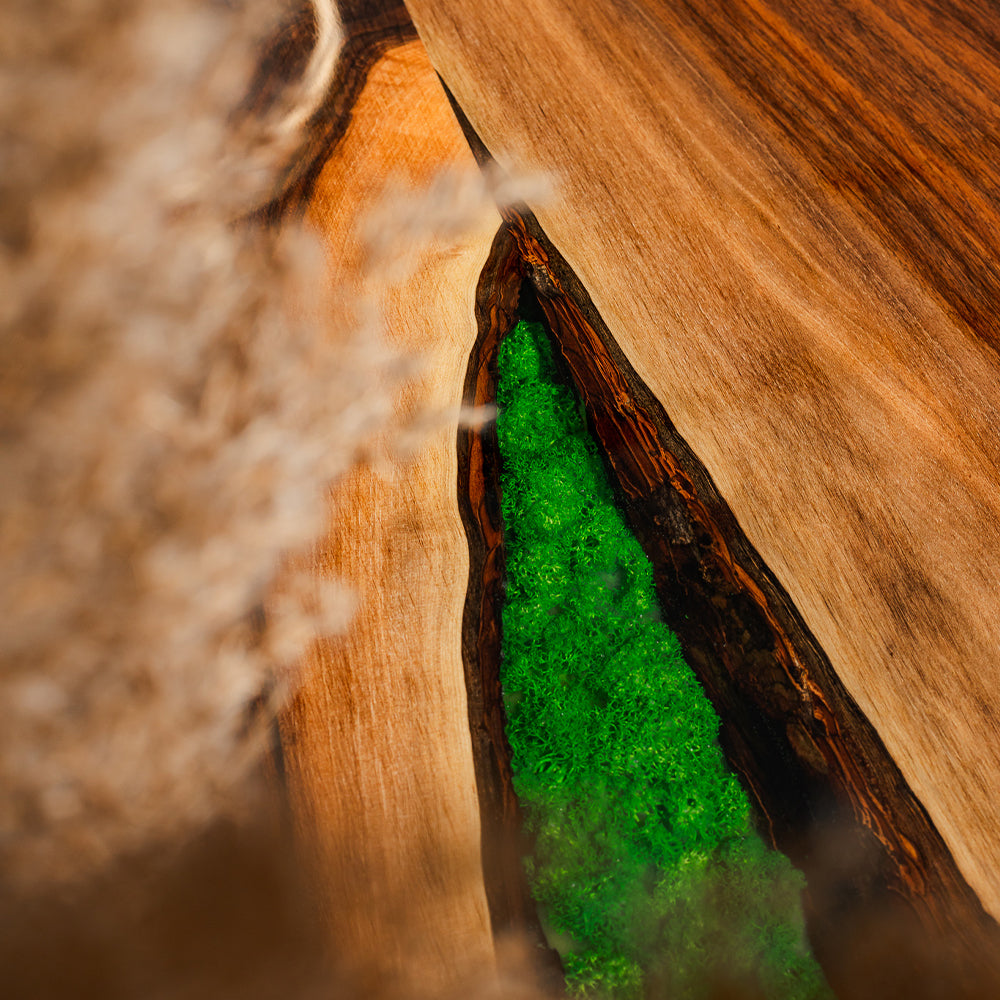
(646, 870)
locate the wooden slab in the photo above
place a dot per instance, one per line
(377, 751)
(783, 214)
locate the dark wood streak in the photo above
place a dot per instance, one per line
(370, 30)
(882, 886)
(282, 61)
(510, 904)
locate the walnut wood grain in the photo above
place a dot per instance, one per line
(802, 301)
(376, 747)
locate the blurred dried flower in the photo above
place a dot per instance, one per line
(175, 392)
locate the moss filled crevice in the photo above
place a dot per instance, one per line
(645, 861)
(826, 790)
(887, 911)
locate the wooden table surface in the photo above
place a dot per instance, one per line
(785, 215)
(771, 249)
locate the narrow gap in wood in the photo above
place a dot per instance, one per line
(625, 676)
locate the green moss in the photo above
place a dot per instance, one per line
(646, 869)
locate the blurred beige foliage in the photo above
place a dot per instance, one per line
(176, 390)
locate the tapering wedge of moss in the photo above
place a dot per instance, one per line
(647, 870)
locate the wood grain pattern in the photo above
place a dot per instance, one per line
(376, 745)
(783, 214)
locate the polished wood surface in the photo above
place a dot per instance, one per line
(784, 215)
(376, 746)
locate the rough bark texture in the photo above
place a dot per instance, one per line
(512, 909)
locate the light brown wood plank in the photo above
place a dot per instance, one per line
(796, 280)
(377, 749)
